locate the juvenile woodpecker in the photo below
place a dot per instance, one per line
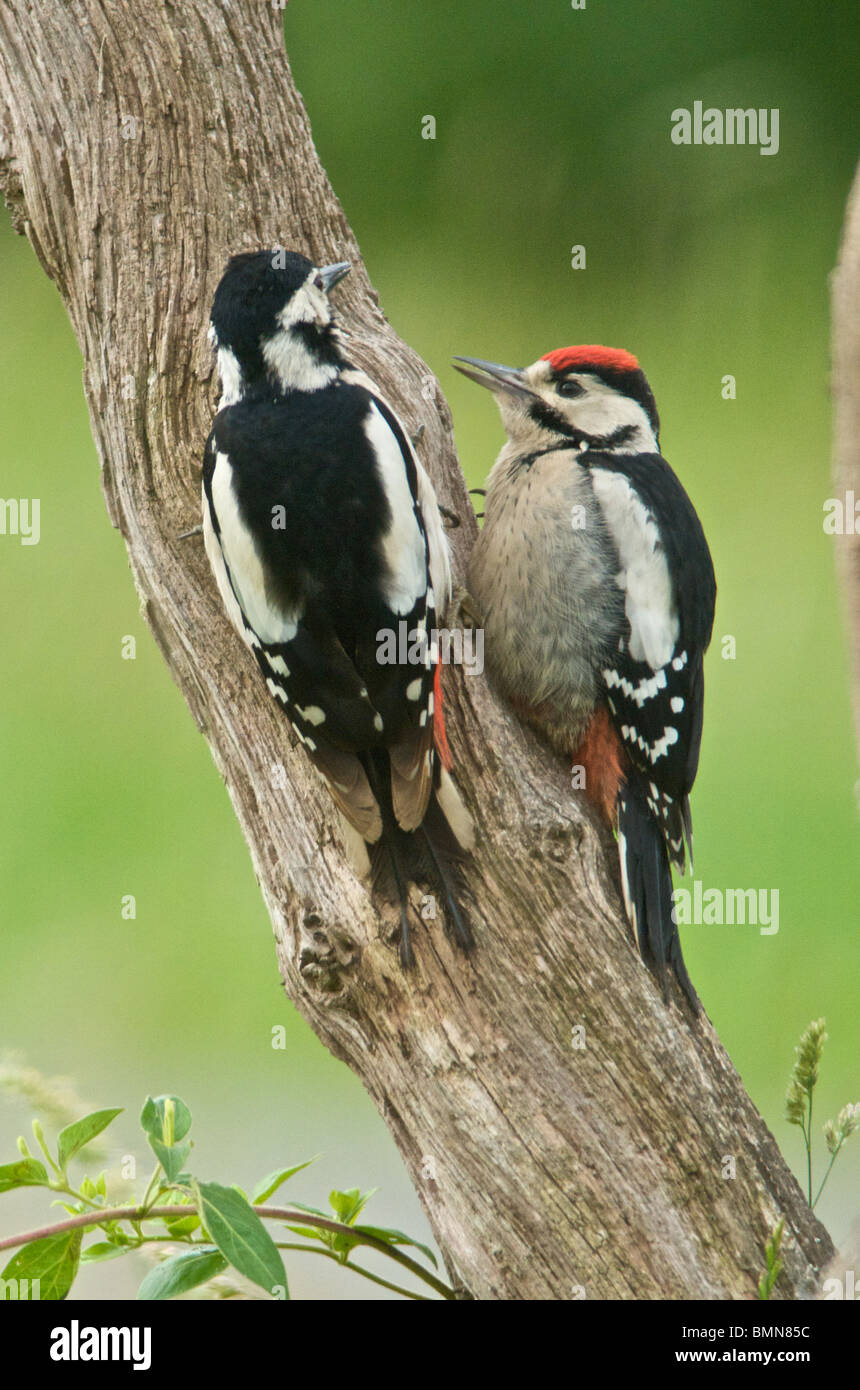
(324, 535)
(594, 583)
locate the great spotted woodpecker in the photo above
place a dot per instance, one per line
(324, 535)
(594, 583)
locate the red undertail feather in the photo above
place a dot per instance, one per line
(439, 735)
(602, 758)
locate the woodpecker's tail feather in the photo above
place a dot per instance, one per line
(431, 855)
(647, 884)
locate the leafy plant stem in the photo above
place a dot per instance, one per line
(40, 1140)
(827, 1174)
(809, 1149)
(356, 1269)
(302, 1218)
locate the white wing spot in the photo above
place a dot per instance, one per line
(276, 690)
(661, 747)
(677, 703)
(277, 663)
(413, 689)
(312, 714)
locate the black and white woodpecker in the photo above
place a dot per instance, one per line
(324, 535)
(594, 583)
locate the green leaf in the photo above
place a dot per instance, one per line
(26, 1172)
(347, 1205)
(312, 1233)
(181, 1273)
(153, 1114)
(314, 1211)
(53, 1260)
(240, 1235)
(186, 1219)
(172, 1159)
(272, 1181)
(397, 1238)
(102, 1250)
(183, 1226)
(73, 1138)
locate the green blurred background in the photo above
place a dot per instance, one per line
(552, 129)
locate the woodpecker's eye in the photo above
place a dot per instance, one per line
(570, 388)
(318, 281)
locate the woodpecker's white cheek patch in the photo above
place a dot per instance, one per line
(644, 575)
(403, 546)
(231, 378)
(294, 365)
(602, 410)
(287, 355)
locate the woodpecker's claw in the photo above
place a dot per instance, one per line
(465, 609)
(195, 531)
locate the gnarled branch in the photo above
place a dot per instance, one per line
(140, 146)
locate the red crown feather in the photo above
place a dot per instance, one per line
(616, 359)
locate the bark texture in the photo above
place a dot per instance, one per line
(141, 144)
(846, 403)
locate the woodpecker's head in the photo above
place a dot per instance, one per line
(272, 324)
(596, 397)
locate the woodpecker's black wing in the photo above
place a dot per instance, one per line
(654, 682)
(317, 540)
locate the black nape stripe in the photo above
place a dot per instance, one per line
(622, 435)
(553, 420)
(573, 438)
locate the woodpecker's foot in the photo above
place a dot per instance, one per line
(465, 609)
(451, 519)
(460, 929)
(407, 955)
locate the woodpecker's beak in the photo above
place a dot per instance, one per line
(494, 376)
(333, 274)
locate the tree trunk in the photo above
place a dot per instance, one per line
(846, 400)
(140, 146)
